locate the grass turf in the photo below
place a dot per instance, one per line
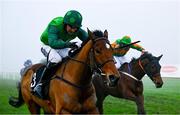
(165, 100)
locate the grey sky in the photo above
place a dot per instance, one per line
(156, 23)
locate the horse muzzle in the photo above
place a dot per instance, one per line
(158, 83)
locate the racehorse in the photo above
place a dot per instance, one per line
(129, 85)
(71, 89)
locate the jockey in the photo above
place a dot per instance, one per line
(57, 36)
(119, 55)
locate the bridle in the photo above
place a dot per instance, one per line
(98, 66)
(94, 67)
(140, 64)
(143, 69)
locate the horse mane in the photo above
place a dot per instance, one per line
(98, 33)
(145, 55)
(148, 56)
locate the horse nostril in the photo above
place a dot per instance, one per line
(159, 85)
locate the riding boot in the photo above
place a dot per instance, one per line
(38, 88)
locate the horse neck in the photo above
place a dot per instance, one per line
(77, 70)
(136, 69)
(84, 53)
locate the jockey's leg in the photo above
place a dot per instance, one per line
(117, 62)
(120, 60)
(114, 79)
(54, 58)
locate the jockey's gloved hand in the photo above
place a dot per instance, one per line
(73, 45)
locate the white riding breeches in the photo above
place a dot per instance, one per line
(120, 60)
(56, 55)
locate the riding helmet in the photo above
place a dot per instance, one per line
(73, 18)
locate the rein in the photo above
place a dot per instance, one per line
(97, 66)
(131, 76)
(104, 63)
(140, 64)
(68, 82)
(71, 58)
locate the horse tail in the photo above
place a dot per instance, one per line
(17, 101)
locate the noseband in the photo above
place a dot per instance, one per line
(99, 66)
(95, 66)
(140, 64)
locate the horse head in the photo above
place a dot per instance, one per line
(150, 65)
(103, 57)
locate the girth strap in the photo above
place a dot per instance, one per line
(74, 85)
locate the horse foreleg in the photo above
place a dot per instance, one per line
(71, 106)
(89, 105)
(63, 111)
(140, 104)
(99, 103)
(33, 107)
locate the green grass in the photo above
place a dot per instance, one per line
(165, 100)
(7, 89)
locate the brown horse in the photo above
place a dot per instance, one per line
(130, 86)
(71, 89)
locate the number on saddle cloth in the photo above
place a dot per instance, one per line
(36, 77)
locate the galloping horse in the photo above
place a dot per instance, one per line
(129, 85)
(71, 89)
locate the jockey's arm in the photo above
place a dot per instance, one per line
(115, 45)
(53, 39)
(82, 35)
(118, 51)
(137, 47)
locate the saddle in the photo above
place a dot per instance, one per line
(38, 71)
(48, 74)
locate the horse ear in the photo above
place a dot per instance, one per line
(90, 34)
(159, 57)
(106, 34)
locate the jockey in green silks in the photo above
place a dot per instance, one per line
(120, 53)
(56, 39)
(60, 32)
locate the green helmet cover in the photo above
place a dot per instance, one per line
(73, 18)
(126, 40)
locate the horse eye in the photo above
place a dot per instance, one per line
(107, 46)
(153, 67)
(97, 51)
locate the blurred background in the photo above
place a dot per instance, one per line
(156, 23)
